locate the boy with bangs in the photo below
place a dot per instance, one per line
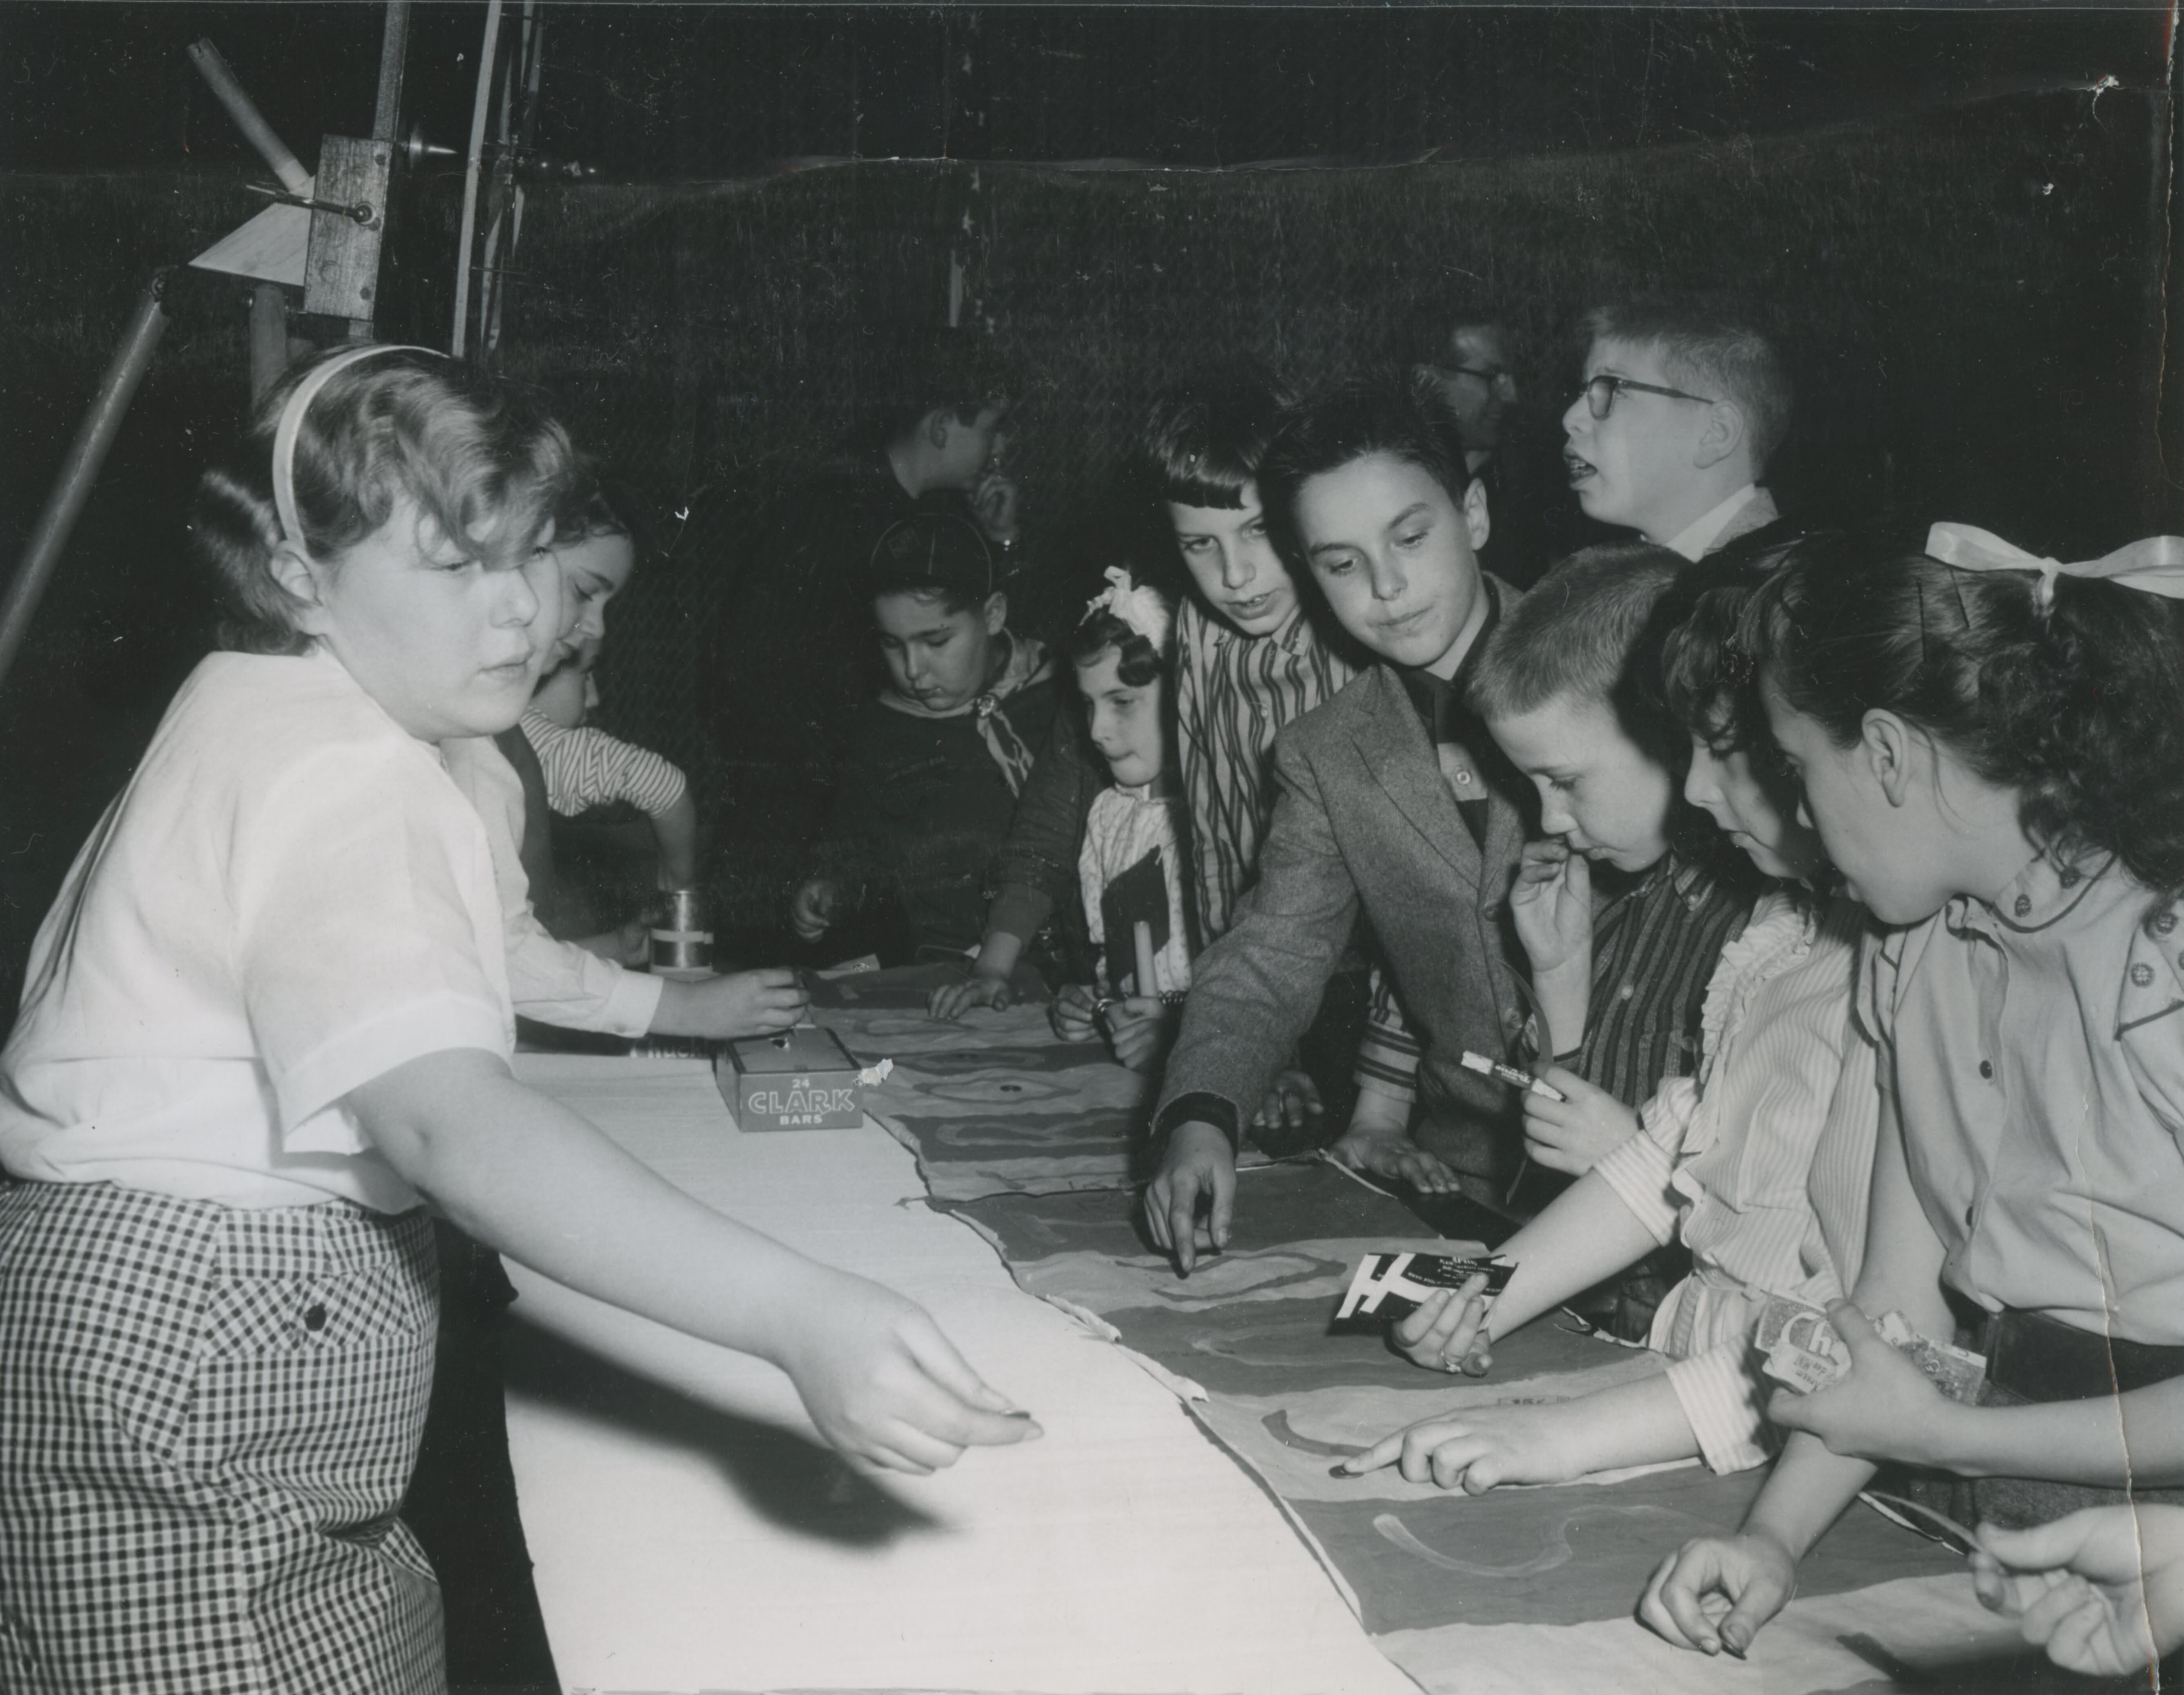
(1684, 402)
(1392, 804)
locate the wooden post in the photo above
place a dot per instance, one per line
(393, 50)
(269, 338)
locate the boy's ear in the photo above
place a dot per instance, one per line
(1886, 741)
(936, 427)
(1724, 433)
(1478, 521)
(997, 612)
(298, 578)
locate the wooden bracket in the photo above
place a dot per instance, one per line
(341, 266)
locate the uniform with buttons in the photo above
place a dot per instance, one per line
(2035, 1050)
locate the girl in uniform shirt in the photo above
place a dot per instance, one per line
(1992, 748)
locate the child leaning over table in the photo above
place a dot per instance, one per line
(586, 767)
(1760, 1163)
(938, 756)
(1119, 652)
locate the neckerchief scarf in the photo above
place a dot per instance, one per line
(1026, 666)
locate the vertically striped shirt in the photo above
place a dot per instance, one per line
(587, 767)
(1654, 947)
(1761, 1162)
(1233, 693)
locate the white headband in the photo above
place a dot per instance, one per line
(1141, 609)
(291, 426)
(2154, 564)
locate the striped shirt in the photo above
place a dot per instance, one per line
(587, 767)
(1654, 947)
(1233, 693)
(1762, 1161)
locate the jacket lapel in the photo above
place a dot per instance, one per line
(1395, 750)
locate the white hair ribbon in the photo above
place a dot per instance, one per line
(2154, 564)
(1139, 608)
(292, 425)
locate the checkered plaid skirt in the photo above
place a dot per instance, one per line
(207, 1416)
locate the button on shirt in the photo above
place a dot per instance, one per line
(2036, 1049)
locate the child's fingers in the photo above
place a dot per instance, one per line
(1385, 1451)
(1413, 1328)
(938, 1358)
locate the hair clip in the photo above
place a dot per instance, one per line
(1139, 608)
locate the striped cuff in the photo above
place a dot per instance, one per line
(1723, 1401)
(1638, 1171)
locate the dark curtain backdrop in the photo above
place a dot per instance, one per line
(1972, 299)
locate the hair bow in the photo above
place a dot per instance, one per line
(2153, 565)
(1140, 607)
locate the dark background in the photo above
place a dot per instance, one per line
(1958, 220)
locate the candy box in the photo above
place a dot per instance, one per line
(802, 1079)
(1389, 1286)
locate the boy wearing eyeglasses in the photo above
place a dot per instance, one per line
(1467, 357)
(1684, 400)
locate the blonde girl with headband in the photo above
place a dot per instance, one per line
(267, 1021)
(1992, 748)
(1120, 651)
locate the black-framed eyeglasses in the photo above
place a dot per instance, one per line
(1493, 375)
(1600, 393)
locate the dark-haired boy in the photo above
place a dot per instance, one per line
(791, 657)
(1684, 400)
(1392, 802)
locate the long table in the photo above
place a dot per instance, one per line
(689, 1536)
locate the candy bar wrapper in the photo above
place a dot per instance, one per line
(1802, 1347)
(1957, 1372)
(1805, 1352)
(1389, 1286)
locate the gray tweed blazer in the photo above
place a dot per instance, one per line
(1363, 818)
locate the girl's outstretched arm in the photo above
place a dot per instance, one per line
(1585, 1234)
(527, 1176)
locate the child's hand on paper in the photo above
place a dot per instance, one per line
(1714, 1592)
(748, 1003)
(1074, 1014)
(1292, 1102)
(954, 1000)
(2101, 1589)
(812, 911)
(1574, 1134)
(1473, 1451)
(885, 1386)
(1140, 1029)
(1448, 1331)
(1551, 904)
(1392, 1155)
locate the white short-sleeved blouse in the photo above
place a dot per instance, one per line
(289, 899)
(2035, 1050)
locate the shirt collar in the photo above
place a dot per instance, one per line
(1695, 537)
(1427, 691)
(2042, 895)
